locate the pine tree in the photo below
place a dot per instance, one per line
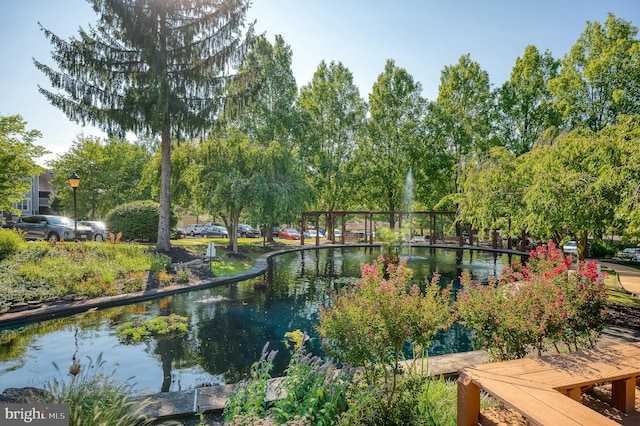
(150, 66)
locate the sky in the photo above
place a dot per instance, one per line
(422, 36)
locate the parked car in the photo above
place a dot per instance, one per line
(289, 234)
(312, 233)
(99, 229)
(194, 229)
(245, 231)
(275, 231)
(177, 234)
(52, 228)
(570, 247)
(630, 253)
(215, 231)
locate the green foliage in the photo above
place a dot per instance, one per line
(17, 160)
(160, 262)
(601, 249)
(330, 109)
(172, 326)
(598, 78)
(427, 401)
(137, 220)
(110, 173)
(248, 401)
(11, 241)
(232, 177)
(533, 307)
(526, 102)
(394, 132)
(313, 389)
(97, 398)
(183, 275)
(43, 270)
(125, 77)
(369, 323)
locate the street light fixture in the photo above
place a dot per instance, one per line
(74, 181)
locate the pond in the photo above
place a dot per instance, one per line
(228, 325)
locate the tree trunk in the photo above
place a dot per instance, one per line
(583, 249)
(164, 242)
(164, 222)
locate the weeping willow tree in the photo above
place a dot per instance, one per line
(150, 66)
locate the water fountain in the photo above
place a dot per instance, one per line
(409, 191)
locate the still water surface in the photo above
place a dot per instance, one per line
(228, 325)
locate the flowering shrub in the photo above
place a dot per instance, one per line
(370, 321)
(547, 302)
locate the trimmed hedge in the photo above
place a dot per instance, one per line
(137, 220)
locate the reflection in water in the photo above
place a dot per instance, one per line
(228, 325)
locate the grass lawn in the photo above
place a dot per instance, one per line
(618, 295)
(249, 248)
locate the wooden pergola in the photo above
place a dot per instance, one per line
(368, 222)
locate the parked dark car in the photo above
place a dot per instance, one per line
(214, 231)
(245, 231)
(52, 228)
(99, 229)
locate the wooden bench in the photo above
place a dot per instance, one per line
(534, 387)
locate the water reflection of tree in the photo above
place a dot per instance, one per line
(14, 342)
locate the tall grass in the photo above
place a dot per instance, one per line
(97, 398)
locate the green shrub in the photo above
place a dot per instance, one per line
(183, 275)
(11, 241)
(602, 249)
(137, 220)
(160, 262)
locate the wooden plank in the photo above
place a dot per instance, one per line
(468, 402)
(544, 406)
(623, 394)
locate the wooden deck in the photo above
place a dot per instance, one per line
(534, 387)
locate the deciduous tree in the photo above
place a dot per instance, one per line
(17, 160)
(332, 116)
(394, 126)
(600, 76)
(524, 103)
(110, 172)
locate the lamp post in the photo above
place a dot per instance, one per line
(74, 181)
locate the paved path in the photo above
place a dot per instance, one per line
(628, 277)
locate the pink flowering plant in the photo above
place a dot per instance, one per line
(547, 303)
(370, 321)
